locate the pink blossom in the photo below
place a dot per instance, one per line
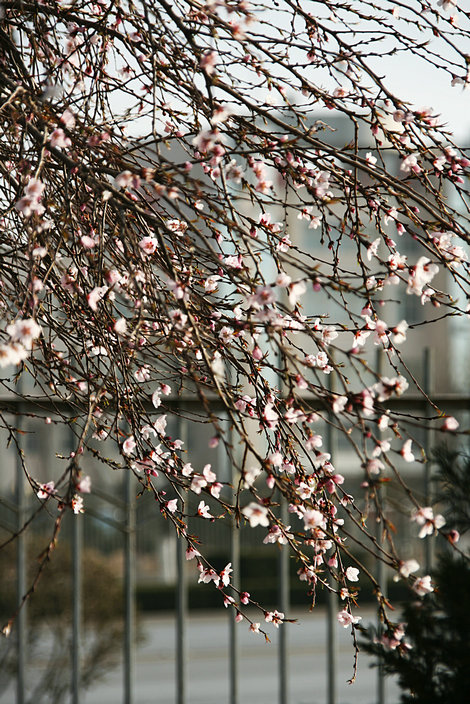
(160, 425)
(250, 475)
(423, 585)
(447, 5)
(373, 248)
(225, 574)
(143, 373)
(34, 188)
(226, 334)
(187, 470)
(205, 140)
(87, 242)
(408, 567)
(13, 353)
(172, 505)
(329, 334)
(59, 139)
(126, 179)
(129, 445)
(391, 214)
(208, 62)
(235, 262)
(275, 617)
(429, 523)
(215, 489)
(77, 504)
(398, 116)
(399, 332)
(221, 114)
(270, 416)
(339, 404)
(120, 326)
(374, 466)
(178, 226)
(346, 619)
(406, 451)
(156, 400)
(450, 423)
(31, 201)
(96, 295)
(148, 245)
(46, 490)
(296, 291)
(203, 510)
(352, 573)
(410, 163)
(256, 515)
(209, 575)
(276, 535)
(24, 330)
(381, 447)
(84, 485)
(191, 553)
(294, 415)
(263, 296)
(313, 519)
(395, 639)
(421, 275)
(211, 283)
(283, 280)
(315, 222)
(68, 119)
(242, 402)
(314, 441)
(285, 242)
(208, 474)
(198, 483)
(307, 574)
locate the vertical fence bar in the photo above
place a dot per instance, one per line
(332, 647)
(332, 597)
(382, 580)
(77, 540)
(284, 606)
(234, 650)
(381, 568)
(233, 632)
(20, 571)
(427, 387)
(129, 588)
(182, 599)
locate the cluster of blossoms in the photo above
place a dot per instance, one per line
(233, 265)
(429, 523)
(22, 334)
(30, 203)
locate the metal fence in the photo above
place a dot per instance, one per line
(128, 529)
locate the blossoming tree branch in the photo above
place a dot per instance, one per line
(208, 211)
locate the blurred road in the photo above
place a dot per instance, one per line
(208, 664)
